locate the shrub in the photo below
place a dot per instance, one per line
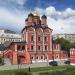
(22, 73)
(0, 60)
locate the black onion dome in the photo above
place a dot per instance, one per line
(44, 16)
(30, 15)
(26, 19)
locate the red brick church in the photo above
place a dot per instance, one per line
(37, 43)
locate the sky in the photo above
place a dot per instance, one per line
(60, 14)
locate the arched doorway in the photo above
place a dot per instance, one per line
(21, 59)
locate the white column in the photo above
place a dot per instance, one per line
(50, 42)
(15, 47)
(26, 36)
(43, 42)
(35, 40)
(26, 40)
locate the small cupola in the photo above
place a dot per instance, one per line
(44, 20)
(30, 19)
(36, 18)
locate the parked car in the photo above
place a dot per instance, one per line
(67, 62)
(53, 63)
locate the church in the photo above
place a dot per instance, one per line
(36, 45)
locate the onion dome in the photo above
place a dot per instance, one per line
(36, 14)
(26, 19)
(30, 15)
(44, 17)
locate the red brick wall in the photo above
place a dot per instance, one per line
(72, 56)
(15, 60)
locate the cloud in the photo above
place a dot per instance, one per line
(50, 10)
(59, 21)
(12, 21)
(20, 2)
(13, 4)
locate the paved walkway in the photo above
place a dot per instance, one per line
(21, 66)
(9, 66)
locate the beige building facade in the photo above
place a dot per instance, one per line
(9, 36)
(69, 37)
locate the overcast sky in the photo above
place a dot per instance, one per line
(60, 13)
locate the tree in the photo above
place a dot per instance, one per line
(73, 45)
(22, 73)
(65, 44)
(0, 60)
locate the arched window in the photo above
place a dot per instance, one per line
(19, 47)
(46, 47)
(32, 38)
(23, 47)
(32, 47)
(39, 47)
(39, 38)
(31, 57)
(37, 57)
(45, 38)
(41, 57)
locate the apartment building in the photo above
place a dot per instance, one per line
(69, 37)
(8, 35)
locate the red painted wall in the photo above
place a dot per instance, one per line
(72, 56)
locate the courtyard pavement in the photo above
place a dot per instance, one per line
(8, 66)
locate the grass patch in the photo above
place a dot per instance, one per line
(11, 72)
(47, 68)
(70, 70)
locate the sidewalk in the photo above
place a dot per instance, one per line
(21, 66)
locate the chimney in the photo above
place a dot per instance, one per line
(44, 20)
